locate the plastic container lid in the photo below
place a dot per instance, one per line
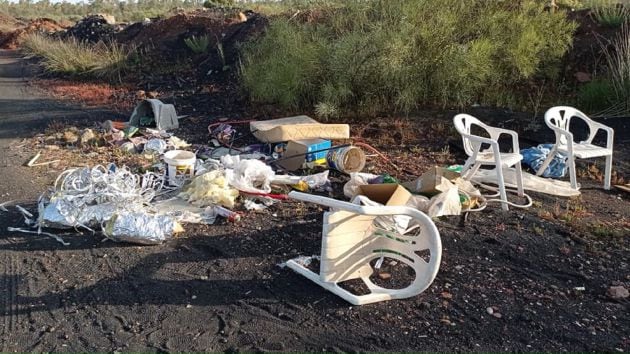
(180, 157)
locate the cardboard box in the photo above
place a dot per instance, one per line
(388, 194)
(309, 151)
(434, 181)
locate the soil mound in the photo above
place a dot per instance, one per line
(168, 34)
(13, 39)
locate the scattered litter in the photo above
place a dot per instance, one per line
(295, 154)
(181, 166)
(357, 179)
(346, 159)
(314, 182)
(530, 182)
(304, 261)
(141, 228)
(223, 133)
(57, 238)
(184, 212)
(251, 176)
(27, 215)
(2, 205)
(32, 161)
(87, 197)
(156, 114)
(128, 147)
(155, 145)
(178, 143)
(251, 203)
(232, 216)
(297, 128)
(211, 188)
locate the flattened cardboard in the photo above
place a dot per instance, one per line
(388, 194)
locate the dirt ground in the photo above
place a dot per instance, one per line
(543, 272)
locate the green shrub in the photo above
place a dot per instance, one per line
(198, 44)
(71, 57)
(217, 3)
(596, 96)
(372, 56)
(610, 13)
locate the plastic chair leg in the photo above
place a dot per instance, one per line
(501, 183)
(572, 172)
(519, 180)
(547, 161)
(608, 172)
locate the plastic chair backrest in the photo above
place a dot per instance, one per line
(463, 124)
(560, 117)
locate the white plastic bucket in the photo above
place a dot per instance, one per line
(346, 159)
(181, 166)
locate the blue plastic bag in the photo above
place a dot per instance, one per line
(535, 156)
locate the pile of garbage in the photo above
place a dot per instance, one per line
(92, 29)
(197, 184)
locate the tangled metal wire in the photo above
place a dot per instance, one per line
(90, 196)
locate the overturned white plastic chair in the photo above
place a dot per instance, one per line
(559, 119)
(353, 235)
(477, 157)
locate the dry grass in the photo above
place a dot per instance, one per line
(71, 57)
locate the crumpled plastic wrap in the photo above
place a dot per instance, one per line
(251, 176)
(210, 189)
(141, 228)
(155, 145)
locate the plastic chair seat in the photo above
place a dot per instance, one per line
(507, 159)
(585, 150)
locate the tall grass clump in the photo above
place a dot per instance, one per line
(395, 55)
(618, 63)
(198, 45)
(610, 13)
(71, 57)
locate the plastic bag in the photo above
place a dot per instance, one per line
(251, 176)
(357, 179)
(534, 157)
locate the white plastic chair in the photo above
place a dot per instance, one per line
(353, 235)
(491, 156)
(559, 119)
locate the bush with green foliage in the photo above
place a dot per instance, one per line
(385, 55)
(610, 13)
(71, 57)
(217, 3)
(596, 96)
(198, 45)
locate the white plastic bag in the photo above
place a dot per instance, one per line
(357, 179)
(251, 176)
